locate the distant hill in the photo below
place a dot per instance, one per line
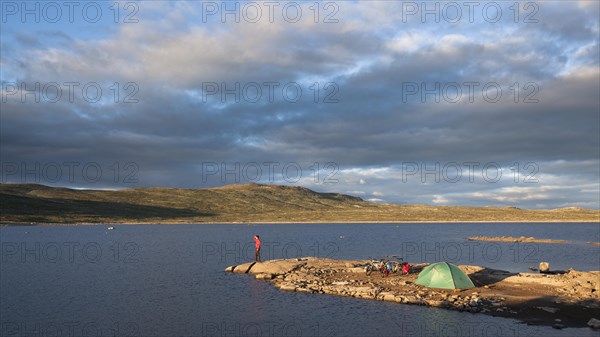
(29, 203)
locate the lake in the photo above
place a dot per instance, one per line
(168, 280)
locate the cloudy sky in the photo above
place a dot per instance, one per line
(446, 103)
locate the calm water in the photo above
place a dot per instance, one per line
(168, 280)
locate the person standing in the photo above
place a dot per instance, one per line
(257, 248)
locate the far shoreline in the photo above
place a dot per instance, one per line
(27, 205)
(57, 224)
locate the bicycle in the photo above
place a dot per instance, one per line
(375, 265)
(383, 265)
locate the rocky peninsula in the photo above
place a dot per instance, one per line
(564, 300)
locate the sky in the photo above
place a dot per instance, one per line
(480, 103)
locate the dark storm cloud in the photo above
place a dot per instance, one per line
(171, 131)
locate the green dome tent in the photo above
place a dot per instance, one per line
(444, 275)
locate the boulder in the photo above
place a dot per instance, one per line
(549, 309)
(264, 276)
(361, 294)
(411, 299)
(274, 267)
(594, 323)
(434, 303)
(286, 286)
(277, 267)
(386, 296)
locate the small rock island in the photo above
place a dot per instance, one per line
(569, 299)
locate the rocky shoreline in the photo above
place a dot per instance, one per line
(514, 239)
(571, 299)
(523, 239)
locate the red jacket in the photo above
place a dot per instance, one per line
(256, 242)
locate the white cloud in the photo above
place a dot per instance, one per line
(587, 4)
(438, 199)
(375, 173)
(409, 42)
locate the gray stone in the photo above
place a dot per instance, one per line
(594, 323)
(548, 309)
